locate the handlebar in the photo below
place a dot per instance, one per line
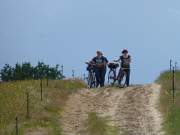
(88, 63)
(116, 61)
(95, 65)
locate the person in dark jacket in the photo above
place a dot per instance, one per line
(125, 60)
(100, 68)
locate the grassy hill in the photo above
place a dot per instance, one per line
(170, 110)
(43, 114)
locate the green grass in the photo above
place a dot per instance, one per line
(170, 110)
(99, 126)
(43, 114)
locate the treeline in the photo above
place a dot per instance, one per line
(26, 71)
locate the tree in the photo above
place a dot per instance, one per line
(26, 71)
(7, 73)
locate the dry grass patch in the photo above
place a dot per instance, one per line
(43, 114)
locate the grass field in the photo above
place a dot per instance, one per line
(170, 110)
(43, 114)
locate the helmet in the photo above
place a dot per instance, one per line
(124, 51)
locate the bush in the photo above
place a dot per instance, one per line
(26, 71)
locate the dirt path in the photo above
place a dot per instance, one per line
(133, 110)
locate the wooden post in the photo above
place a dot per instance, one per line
(170, 64)
(73, 74)
(41, 89)
(27, 109)
(47, 81)
(173, 84)
(17, 128)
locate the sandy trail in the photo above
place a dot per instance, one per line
(133, 110)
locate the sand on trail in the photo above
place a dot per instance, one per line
(134, 110)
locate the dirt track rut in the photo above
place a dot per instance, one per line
(133, 110)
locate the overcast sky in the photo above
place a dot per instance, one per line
(69, 32)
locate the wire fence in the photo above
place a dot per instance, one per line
(173, 68)
(22, 111)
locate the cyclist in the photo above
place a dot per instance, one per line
(100, 68)
(125, 60)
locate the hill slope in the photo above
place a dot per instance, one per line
(133, 110)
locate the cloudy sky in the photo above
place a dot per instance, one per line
(69, 32)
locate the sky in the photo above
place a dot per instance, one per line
(68, 32)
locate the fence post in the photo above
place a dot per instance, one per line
(47, 81)
(173, 84)
(27, 109)
(170, 64)
(17, 128)
(41, 89)
(73, 73)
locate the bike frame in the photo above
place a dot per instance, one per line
(91, 80)
(118, 77)
(122, 75)
(113, 70)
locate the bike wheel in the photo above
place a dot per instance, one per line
(91, 80)
(111, 77)
(122, 79)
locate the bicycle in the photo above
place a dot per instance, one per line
(112, 73)
(91, 79)
(120, 78)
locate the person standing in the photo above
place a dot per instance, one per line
(125, 60)
(100, 68)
